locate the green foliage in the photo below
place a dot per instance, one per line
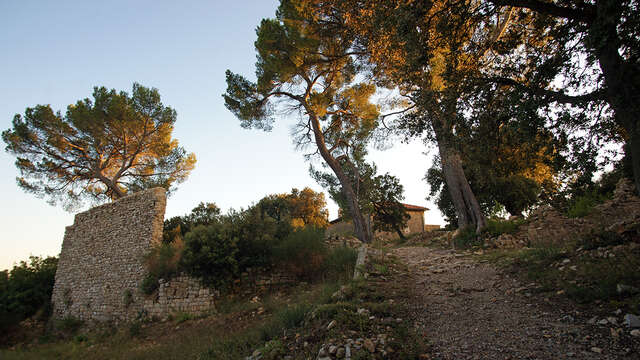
(80, 338)
(497, 227)
(135, 328)
(302, 252)
(466, 238)
(293, 316)
(601, 238)
(26, 289)
(210, 253)
(129, 136)
(257, 233)
(378, 195)
(69, 325)
(340, 262)
(162, 262)
(260, 227)
(583, 205)
(179, 226)
(127, 298)
(183, 316)
(302, 66)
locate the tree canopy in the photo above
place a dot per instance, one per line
(101, 148)
(308, 69)
(379, 196)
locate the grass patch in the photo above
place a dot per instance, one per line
(236, 331)
(467, 238)
(497, 227)
(69, 325)
(589, 275)
(583, 205)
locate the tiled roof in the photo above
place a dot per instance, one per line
(414, 207)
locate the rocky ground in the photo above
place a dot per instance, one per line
(468, 309)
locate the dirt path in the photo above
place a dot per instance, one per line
(470, 310)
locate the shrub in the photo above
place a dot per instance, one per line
(601, 238)
(210, 253)
(302, 252)
(497, 227)
(340, 262)
(467, 237)
(183, 316)
(135, 328)
(69, 324)
(26, 289)
(293, 316)
(583, 205)
(162, 263)
(257, 236)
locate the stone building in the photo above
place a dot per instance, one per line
(415, 224)
(102, 265)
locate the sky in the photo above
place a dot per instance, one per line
(56, 52)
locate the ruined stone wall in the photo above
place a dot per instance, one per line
(101, 263)
(180, 294)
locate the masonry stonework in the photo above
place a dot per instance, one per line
(101, 264)
(180, 294)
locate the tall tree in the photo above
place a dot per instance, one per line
(307, 208)
(299, 207)
(379, 196)
(597, 51)
(305, 68)
(509, 155)
(429, 51)
(100, 149)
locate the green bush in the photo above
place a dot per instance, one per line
(583, 205)
(69, 325)
(497, 227)
(293, 316)
(162, 262)
(340, 262)
(302, 252)
(257, 236)
(26, 290)
(466, 238)
(135, 328)
(210, 253)
(601, 238)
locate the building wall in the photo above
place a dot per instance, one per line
(428, 227)
(415, 224)
(101, 264)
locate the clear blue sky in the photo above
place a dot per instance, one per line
(55, 52)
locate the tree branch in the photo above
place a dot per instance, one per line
(586, 14)
(557, 96)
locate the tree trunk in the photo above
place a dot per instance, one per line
(116, 192)
(467, 208)
(399, 232)
(358, 220)
(621, 78)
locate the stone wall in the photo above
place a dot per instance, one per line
(431, 227)
(546, 226)
(101, 263)
(180, 294)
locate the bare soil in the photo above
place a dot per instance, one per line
(468, 309)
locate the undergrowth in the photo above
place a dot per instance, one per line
(237, 331)
(587, 270)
